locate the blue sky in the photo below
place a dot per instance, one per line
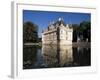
(43, 18)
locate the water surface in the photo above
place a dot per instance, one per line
(49, 56)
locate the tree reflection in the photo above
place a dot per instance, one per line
(29, 56)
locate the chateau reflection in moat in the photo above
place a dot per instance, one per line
(57, 56)
(52, 56)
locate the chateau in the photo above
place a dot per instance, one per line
(58, 33)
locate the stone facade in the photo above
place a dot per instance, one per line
(58, 33)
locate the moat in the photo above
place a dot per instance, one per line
(53, 56)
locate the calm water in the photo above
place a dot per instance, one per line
(55, 56)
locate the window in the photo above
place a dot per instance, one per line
(61, 37)
(61, 31)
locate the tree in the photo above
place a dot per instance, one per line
(82, 30)
(30, 32)
(75, 32)
(85, 28)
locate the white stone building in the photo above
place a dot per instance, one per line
(58, 33)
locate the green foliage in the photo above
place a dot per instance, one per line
(84, 29)
(84, 25)
(30, 32)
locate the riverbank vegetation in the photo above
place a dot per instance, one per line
(81, 32)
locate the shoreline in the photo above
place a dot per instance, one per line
(74, 44)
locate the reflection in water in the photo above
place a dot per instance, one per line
(55, 56)
(29, 56)
(82, 56)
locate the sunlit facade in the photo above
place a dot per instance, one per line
(58, 33)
